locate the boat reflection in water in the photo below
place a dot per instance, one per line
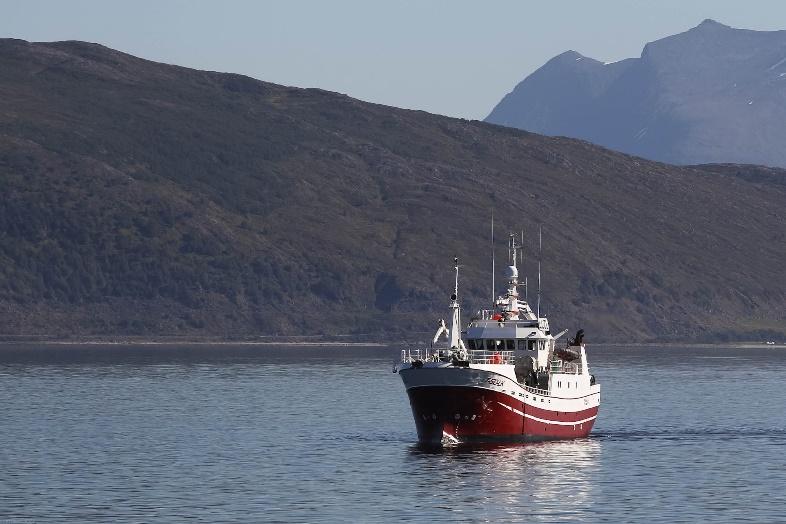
(512, 481)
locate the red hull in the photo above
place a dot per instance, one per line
(470, 414)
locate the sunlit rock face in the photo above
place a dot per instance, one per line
(712, 94)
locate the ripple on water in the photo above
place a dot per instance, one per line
(246, 434)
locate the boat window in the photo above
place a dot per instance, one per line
(522, 344)
(531, 345)
(510, 344)
(471, 343)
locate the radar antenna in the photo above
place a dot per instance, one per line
(493, 261)
(540, 257)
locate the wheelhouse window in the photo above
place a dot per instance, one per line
(510, 344)
(471, 343)
(522, 344)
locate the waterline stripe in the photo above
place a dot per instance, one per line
(545, 421)
(514, 410)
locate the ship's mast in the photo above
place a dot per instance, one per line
(493, 261)
(513, 280)
(508, 305)
(455, 325)
(540, 256)
(512, 250)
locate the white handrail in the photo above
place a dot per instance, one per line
(474, 356)
(537, 391)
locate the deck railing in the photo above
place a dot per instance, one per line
(537, 391)
(558, 366)
(475, 356)
(484, 356)
(489, 356)
(488, 315)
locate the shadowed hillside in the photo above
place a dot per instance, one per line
(147, 199)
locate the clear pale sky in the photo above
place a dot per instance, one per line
(455, 58)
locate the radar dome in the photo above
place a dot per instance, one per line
(512, 272)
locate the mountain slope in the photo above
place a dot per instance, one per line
(711, 94)
(149, 199)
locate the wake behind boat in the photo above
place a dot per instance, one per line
(505, 380)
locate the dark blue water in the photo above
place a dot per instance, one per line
(262, 434)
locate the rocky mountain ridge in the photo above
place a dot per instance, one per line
(713, 94)
(144, 199)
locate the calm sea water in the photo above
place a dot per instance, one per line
(290, 434)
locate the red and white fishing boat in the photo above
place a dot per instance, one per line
(504, 378)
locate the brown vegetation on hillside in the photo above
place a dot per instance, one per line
(146, 199)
